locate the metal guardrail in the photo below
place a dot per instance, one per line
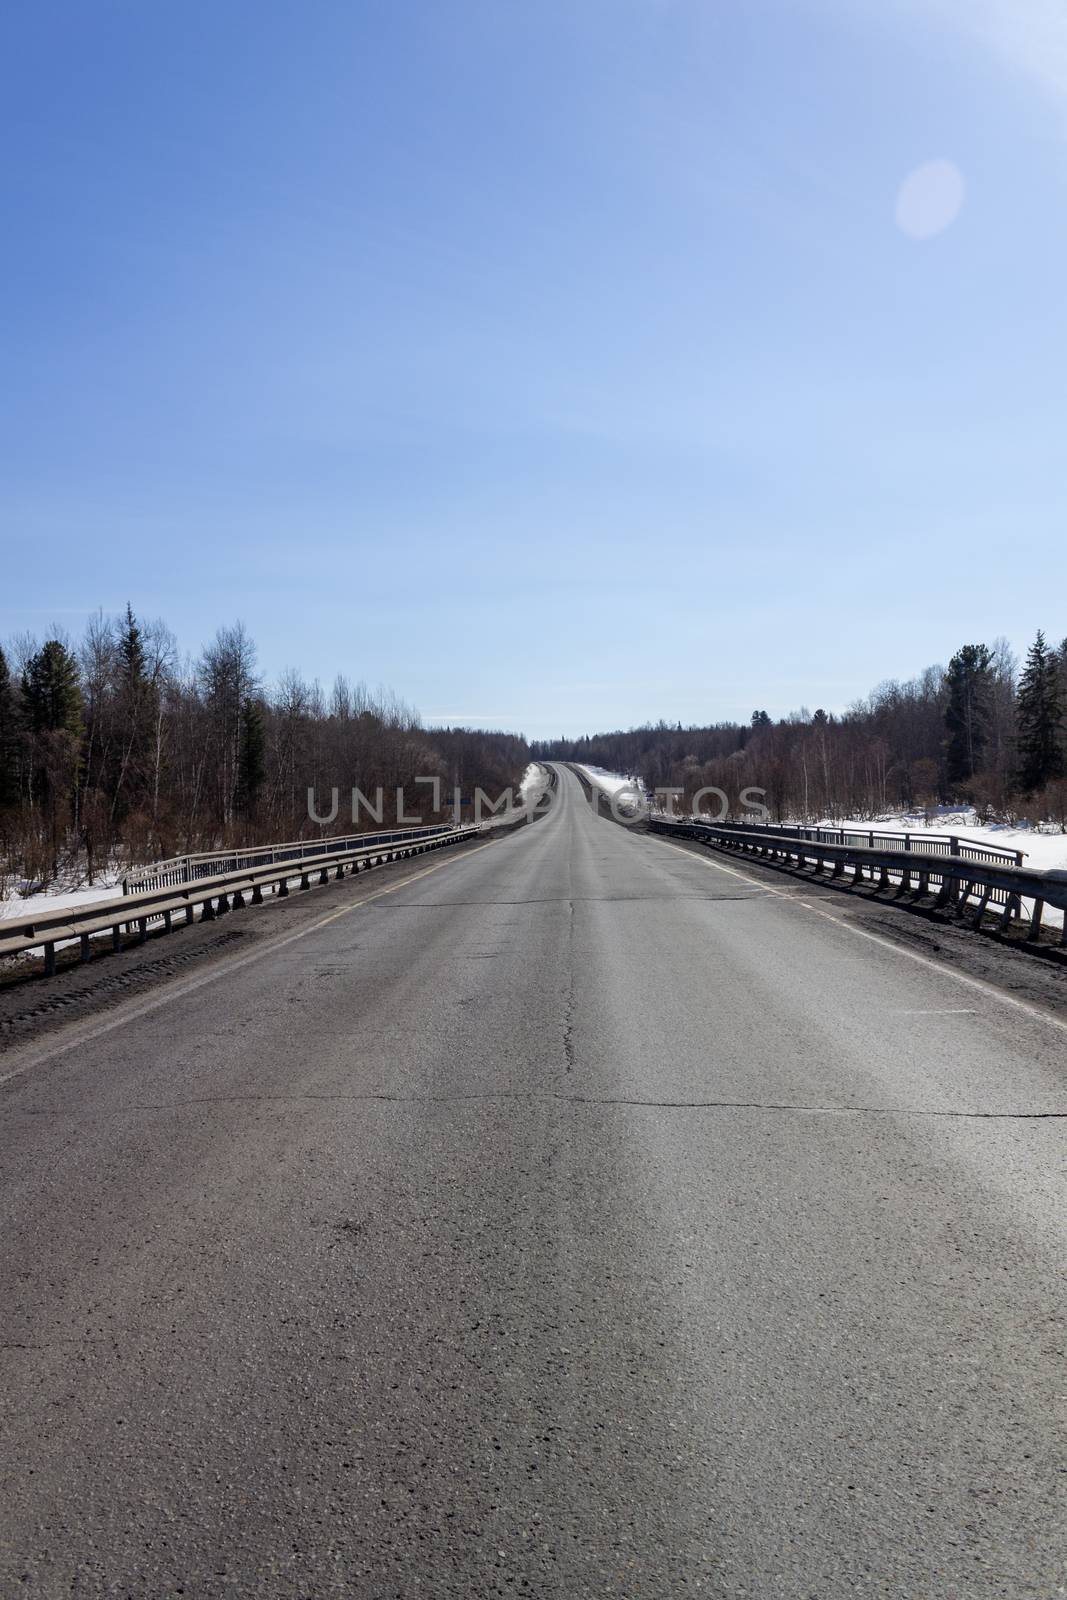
(949, 844)
(214, 894)
(959, 880)
(209, 863)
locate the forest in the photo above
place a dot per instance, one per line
(118, 750)
(986, 731)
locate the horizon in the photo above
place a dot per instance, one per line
(269, 684)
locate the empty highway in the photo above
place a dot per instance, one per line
(583, 1216)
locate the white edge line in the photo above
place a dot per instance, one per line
(979, 985)
(179, 988)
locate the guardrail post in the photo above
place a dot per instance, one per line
(282, 888)
(305, 881)
(50, 960)
(257, 894)
(979, 914)
(142, 930)
(1034, 931)
(85, 941)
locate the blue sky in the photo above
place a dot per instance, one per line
(560, 365)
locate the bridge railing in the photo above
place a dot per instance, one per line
(962, 881)
(209, 863)
(949, 844)
(216, 893)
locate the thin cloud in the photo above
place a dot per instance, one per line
(1028, 36)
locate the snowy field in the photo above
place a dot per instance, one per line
(1043, 850)
(19, 905)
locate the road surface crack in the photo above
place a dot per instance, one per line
(507, 1096)
(568, 1005)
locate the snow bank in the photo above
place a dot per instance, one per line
(613, 783)
(532, 784)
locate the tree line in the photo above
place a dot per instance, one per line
(118, 747)
(980, 732)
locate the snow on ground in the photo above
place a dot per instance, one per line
(1044, 848)
(613, 783)
(1044, 851)
(533, 784)
(18, 905)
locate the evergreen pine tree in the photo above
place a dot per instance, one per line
(9, 788)
(252, 757)
(135, 699)
(131, 654)
(1040, 714)
(52, 697)
(969, 681)
(51, 691)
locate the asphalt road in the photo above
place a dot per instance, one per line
(583, 1217)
